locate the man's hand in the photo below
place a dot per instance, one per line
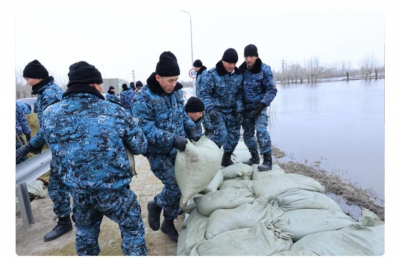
(213, 115)
(23, 150)
(257, 110)
(193, 134)
(180, 143)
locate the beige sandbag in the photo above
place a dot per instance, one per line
(238, 183)
(215, 183)
(259, 175)
(237, 170)
(196, 167)
(228, 198)
(37, 189)
(180, 249)
(273, 186)
(195, 228)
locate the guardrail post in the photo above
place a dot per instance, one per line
(25, 205)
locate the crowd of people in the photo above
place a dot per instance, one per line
(88, 135)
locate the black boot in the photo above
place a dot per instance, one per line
(64, 225)
(267, 164)
(255, 159)
(154, 215)
(168, 228)
(226, 159)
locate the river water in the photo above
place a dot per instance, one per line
(338, 126)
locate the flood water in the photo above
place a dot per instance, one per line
(339, 124)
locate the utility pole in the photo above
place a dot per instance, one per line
(133, 75)
(191, 44)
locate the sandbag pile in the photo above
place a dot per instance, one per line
(273, 213)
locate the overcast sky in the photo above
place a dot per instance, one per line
(117, 43)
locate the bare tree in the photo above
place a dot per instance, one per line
(314, 69)
(368, 65)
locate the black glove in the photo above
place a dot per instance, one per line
(239, 117)
(28, 137)
(180, 143)
(37, 151)
(213, 115)
(257, 110)
(23, 150)
(193, 134)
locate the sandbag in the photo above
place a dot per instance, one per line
(303, 199)
(237, 170)
(228, 198)
(215, 183)
(272, 186)
(259, 175)
(37, 189)
(258, 240)
(354, 240)
(238, 183)
(180, 249)
(245, 216)
(195, 228)
(308, 221)
(196, 167)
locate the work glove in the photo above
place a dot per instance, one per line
(193, 134)
(180, 143)
(23, 150)
(213, 115)
(239, 117)
(28, 137)
(257, 110)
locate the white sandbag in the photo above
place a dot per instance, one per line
(237, 170)
(191, 205)
(308, 221)
(238, 183)
(195, 228)
(196, 167)
(245, 216)
(259, 175)
(272, 186)
(215, 183)
(258, 240)
(37, 188)
(293, 253)
(303, 199)
(354, 240)
(228, 198)
(180, 249)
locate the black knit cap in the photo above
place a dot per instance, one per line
(230, 56)
(197, 63)
(250, 50)
(35, 70)
(132, 84)
(168, 65)
(139, 84)
(83, 73)
(194, 105)
(111, 88)
(124, 86)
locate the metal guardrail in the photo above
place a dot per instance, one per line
(27, 172)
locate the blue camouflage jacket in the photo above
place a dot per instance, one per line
(112, 97)
(200, 74)
(126, 98)
(258, 85)
(25, 107)
(222, 90)
(21, 124)
(48, 94)
(87, 136)
(161, 116)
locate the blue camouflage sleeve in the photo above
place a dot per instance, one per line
(239, 97)
(269, 85)
(22, 120)
(206, 88)
(134, 138)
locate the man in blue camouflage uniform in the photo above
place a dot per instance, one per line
(48, 93)
(110, 95)
(259, 91)
(195, 108)
(21, 126)
(87, 136)
(221, 91)
(139, 86)
(159, 109)
(201, 70)
(126, 97)
(25, 107)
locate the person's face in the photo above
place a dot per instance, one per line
(31, 81)
(229, 66)
(195, 115)
(250, 60)
(112, 90)
(167, 83)
(196, 68)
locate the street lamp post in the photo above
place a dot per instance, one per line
(191, 44)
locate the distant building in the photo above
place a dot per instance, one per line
(117, 83)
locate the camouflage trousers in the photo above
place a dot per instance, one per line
(225, 131)
(58, 193)
(120, 206)
(259, 124)
(163, 167)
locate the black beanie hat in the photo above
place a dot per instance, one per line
(83, 73)
(124, 86)
(35, 70)
(194, 105)
(139, 84)
(197, 63)
(230, 56)
(111, 88)
(250, 50)
(168, 65)
(132, 85)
